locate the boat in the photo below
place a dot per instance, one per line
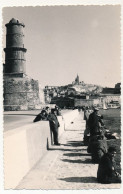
(114, 104)
(104, 106)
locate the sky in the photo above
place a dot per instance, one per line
(63, 41)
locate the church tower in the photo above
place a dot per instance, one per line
(77, 80)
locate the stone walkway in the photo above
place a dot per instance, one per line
(67, 166)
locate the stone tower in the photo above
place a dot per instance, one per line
(15, 63)
(77, 80)
(20, 91)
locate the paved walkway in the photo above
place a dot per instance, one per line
(67, 166)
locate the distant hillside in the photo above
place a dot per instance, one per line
(81, 89)
(88, 89)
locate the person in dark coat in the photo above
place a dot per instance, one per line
(98, 148)
(43, 115)
(54, 125)
(87, 130)
(85, 108)
(58, 111)
(106, 170)
(87, 113)
(47, 112)
(95, 122)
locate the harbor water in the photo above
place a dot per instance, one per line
(112, 120)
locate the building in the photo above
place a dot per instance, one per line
(77, 81)
(20, 91)
(63, 102)
(111, 97)
(118, 88)
(115, 90)
(78, 91)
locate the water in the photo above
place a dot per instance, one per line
(112, 120)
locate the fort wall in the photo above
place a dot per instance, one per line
(26, 145)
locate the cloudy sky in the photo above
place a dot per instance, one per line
(63, 41)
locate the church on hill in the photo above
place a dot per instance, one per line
(77, 82)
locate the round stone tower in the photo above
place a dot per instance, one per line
(15, 62)
(21, 92)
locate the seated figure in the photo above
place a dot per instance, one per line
(107, 173)
(97, 147)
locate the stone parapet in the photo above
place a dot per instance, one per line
(25, 145)
(13, 75)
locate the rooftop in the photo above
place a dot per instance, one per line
(14, 21)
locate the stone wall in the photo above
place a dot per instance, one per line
(83, 102)
(21, 94)
(26, 145)
(23, 147)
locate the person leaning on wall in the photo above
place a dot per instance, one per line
(54, 125)
(43, 115)
(95, 122)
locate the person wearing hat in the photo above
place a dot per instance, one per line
(106, 170)
(95, 122)
(87, 130)
(54, 125)
(58, 111)
(47, 112)
(43, 115)
(98, 147)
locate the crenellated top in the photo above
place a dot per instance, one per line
(14, 21)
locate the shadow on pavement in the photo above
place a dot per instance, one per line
(84, 149)
(73, 130)
(80, 179)
(74, 143)
(76, 154)
(87, 161)
(59, 149)
(62, 149)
